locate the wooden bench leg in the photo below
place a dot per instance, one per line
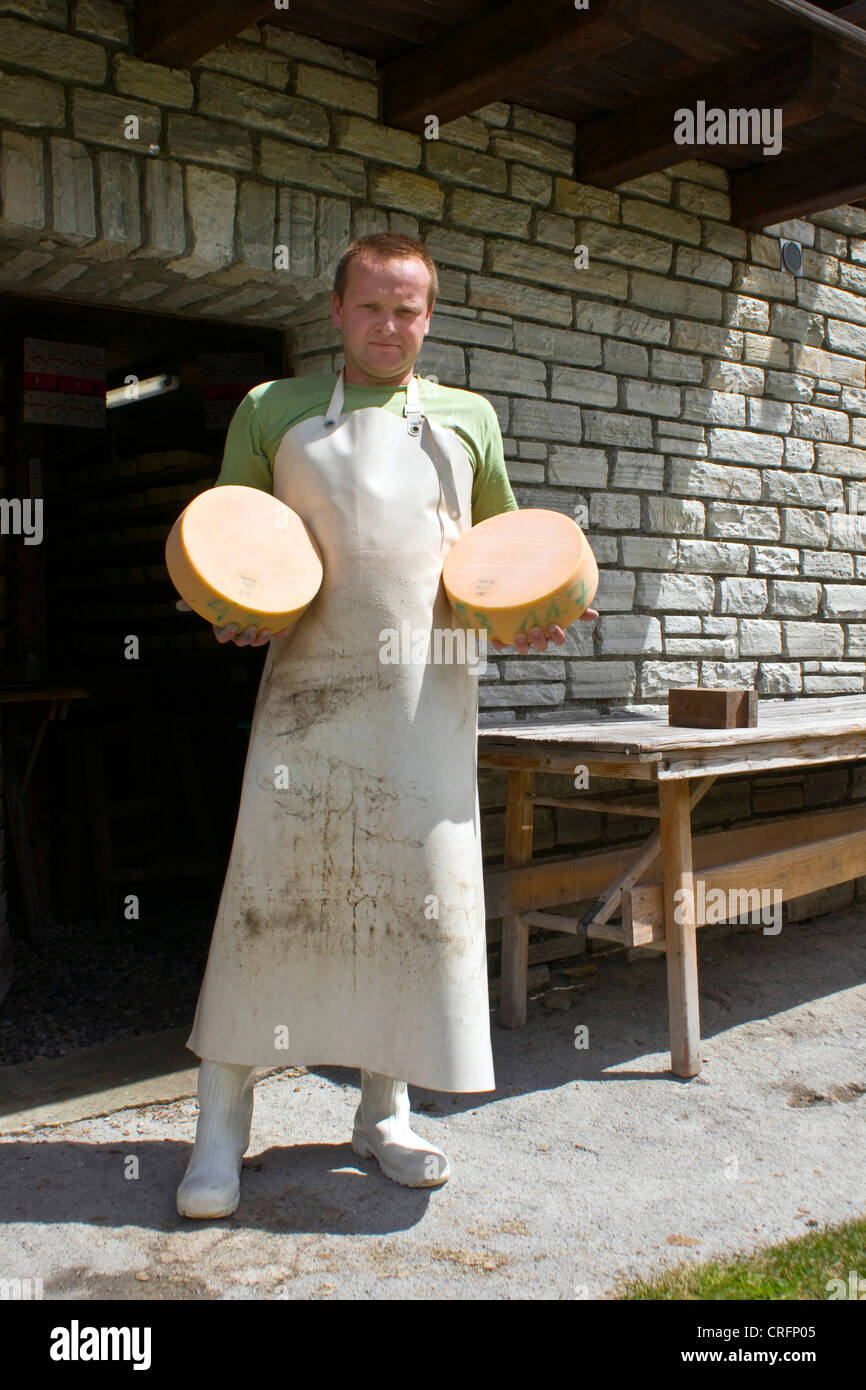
(680, 932)
(515, 932)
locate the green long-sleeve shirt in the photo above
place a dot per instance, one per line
(270, 409)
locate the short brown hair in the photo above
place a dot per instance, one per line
(385, 246)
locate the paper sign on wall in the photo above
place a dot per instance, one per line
(228, 376)
(63, 384)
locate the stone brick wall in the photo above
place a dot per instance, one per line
(705, 407)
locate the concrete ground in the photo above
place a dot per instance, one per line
(584, 1166)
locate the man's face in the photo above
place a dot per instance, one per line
(383, 319)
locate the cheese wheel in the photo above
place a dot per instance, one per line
(519, 570)
(240, 555)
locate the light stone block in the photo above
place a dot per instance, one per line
(844, 461)
(827, 299)
(779, 678)
(814, 422)
(746, 446)
(677, 366)
(73, 209)
(661, 221)
(696, 478)
(210, 200)
(732, 520)
(707, 338)
(35, 47)
(607, 427)
(739, 675)
(525, 301)
(619, 322)
(625, 359)
(674, 516)
(826, 564)
(802, 527)
(649, 553)
(600, 680)
(657, 677)
(22, 183)
(760, 637)
(799, 453)
(614, 511)
(557, 344)
(675, 297)
(577, 467)
(607, 243)
(615, 591)
(654, 399)
(770, 559)
(636, 470)
(501, 371)
(713, 557)
(631, 635)
(734, 377)
(815, 639)
(547, 420)
(584, 387)
(700, 265)
(765, 351)
(724, 648)
(719, 408)
(773, 416)
(845, 601)
(743, 596)
(691, 593)
(742, 311)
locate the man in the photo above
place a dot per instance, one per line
(351, 928)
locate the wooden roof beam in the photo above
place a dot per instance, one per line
(498, 56)
(796, 184)
(853, 13)
(838, 25)
(800, 77)
(177, 33)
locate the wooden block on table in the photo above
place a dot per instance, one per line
(713, 709)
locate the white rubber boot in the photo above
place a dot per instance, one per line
(382, 1130)
(211, 1185)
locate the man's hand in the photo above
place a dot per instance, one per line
(540, 639)
(253, 637)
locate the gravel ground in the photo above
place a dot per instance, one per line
(86, 986)
(583, 1167)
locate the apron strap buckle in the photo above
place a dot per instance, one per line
(413, 410)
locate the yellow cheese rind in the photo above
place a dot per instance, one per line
(519, 570)
(239, 555)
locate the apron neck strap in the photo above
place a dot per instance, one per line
(412, 410)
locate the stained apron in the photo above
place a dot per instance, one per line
(351, 926)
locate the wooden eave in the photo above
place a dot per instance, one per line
(619, 70)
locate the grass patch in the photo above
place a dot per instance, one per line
(797, 1269)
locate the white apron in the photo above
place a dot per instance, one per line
(351, 925)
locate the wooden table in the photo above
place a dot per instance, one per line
(653, 887)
